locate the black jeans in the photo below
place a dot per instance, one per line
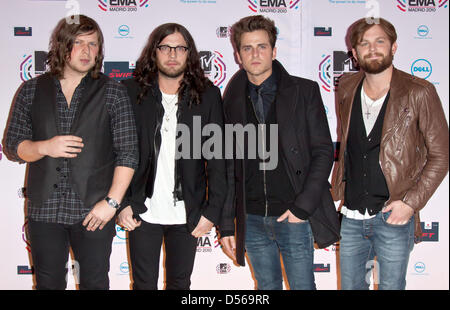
(50, 244)
(145, 249)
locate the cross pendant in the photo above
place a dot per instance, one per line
(367, 114)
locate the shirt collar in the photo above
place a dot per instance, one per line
(269, 84)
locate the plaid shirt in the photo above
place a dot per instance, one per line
(64, 205)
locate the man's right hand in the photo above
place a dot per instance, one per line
(229, 246)
(126, 220)
(62, 146)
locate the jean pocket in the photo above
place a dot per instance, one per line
(385, 216)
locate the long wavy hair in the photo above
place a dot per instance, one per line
(61, 44)
(146, 72)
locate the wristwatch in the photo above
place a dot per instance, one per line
(112, 203)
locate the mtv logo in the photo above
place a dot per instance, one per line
(430, 231)
(222, 32)
(32, 65)
(206, 58)
(223, 268)
(39, 61)
(343, 62)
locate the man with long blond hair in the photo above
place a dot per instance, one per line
(74, 127)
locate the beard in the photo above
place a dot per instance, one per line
(375, 66)
(171, 72)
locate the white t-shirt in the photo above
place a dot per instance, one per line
(371, 106)
(160, 207)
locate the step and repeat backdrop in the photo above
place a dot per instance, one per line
(311, 43)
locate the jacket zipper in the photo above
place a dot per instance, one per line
(264, 167)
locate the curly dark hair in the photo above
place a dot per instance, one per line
(61, 43)
(146, 71)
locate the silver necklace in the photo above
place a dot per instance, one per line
(368, 107)
(168, 113)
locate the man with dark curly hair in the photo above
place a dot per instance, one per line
(171, 197)
(74, 127)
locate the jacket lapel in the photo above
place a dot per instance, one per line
(285, 107)
(396, 108)
(348, 99)
(234, 104)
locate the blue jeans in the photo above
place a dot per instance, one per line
(362, 240)
(265, 239)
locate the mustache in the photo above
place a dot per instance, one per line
(373, 54)
(172, 62)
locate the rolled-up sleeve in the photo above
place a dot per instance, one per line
(19, 127)
(123, 127)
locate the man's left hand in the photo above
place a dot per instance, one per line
(401, 212)
(291, 217)
(100, 214)
(204, 225)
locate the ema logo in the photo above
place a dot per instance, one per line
(214, 67)
(273, 6)
(30, 61)
(208, 242)
(23, 31)
(341, 62)
(334, 247)
(421, 5)
(122, 5)
(119, 70)
(223, 268)
(421, 68)
(321, 267)
(430, 231)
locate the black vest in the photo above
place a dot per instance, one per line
(366, 186)
(273, 188)
(91, 172)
